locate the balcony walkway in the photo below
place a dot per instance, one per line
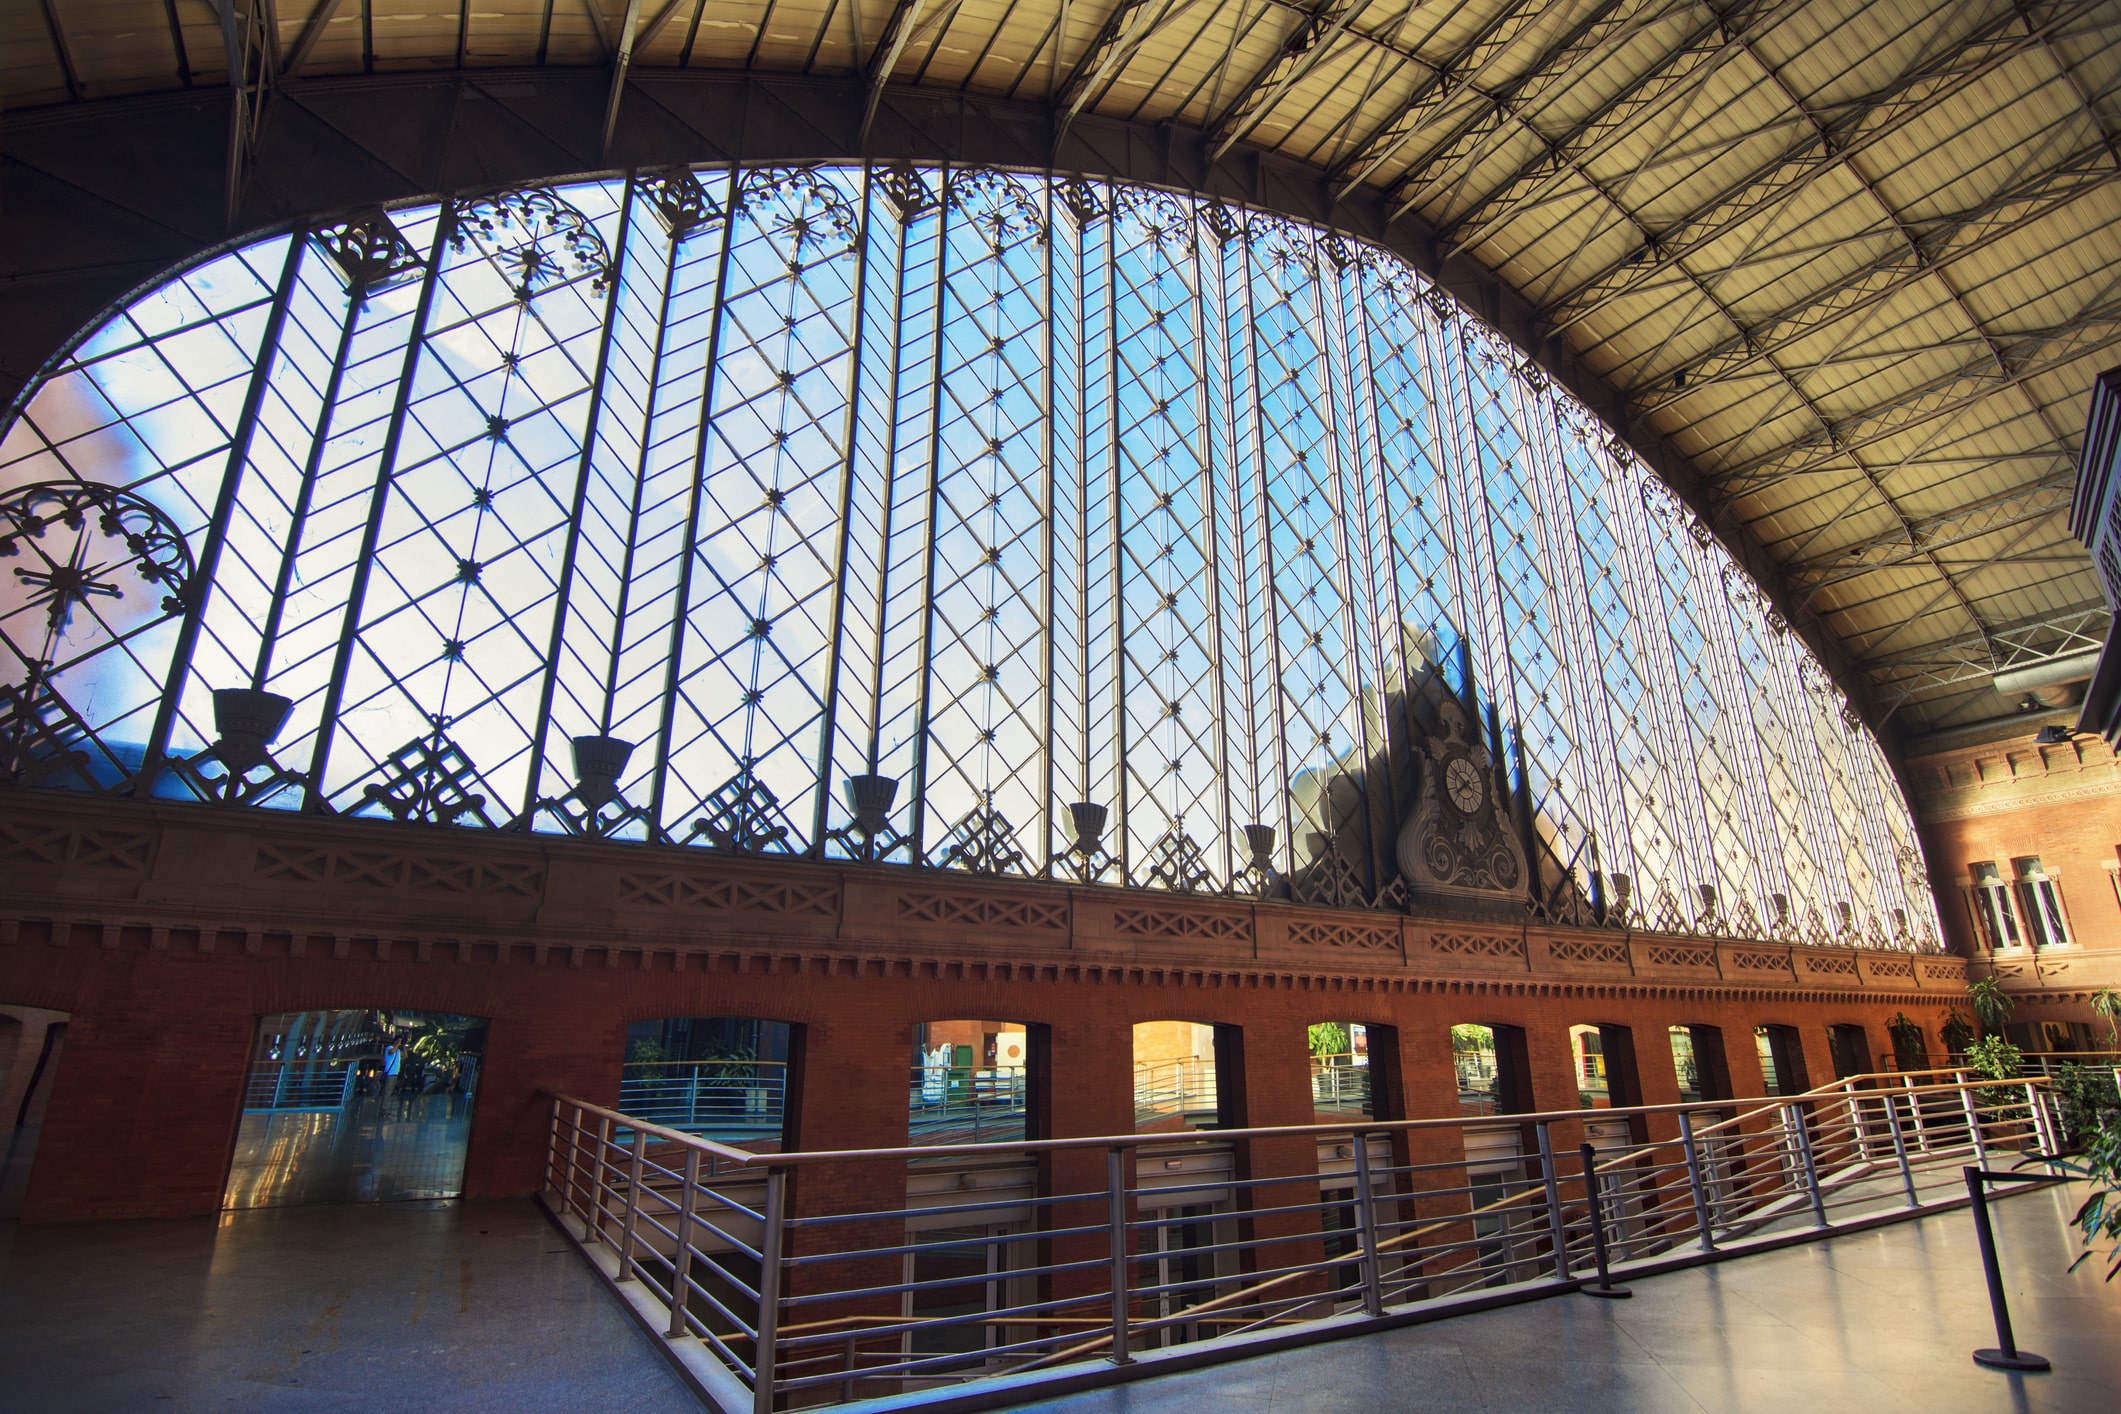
(1877, 1322)
(377, 1307)
(485, 1306)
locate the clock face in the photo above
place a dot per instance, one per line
(1462, 783)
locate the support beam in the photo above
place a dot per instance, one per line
(2042, 638)
(1437, 89)
(312, 31)
(2022, 505)
(1302, 49)
(248, 75)
(62, 50)
(1938, 243)
(1123, 33)
(619, 63)
(2016, 359)
(899, 31)
(1844, 130)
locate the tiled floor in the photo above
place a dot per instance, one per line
(374, 1150)
(448, 1306)
(1876, 1322)
(424, 1307)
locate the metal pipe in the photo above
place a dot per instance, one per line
(1704, 1224)
(1116, 1224)
(765, 1357)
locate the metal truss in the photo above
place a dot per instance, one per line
(1063, 525)
(1829, 140)
(1922, 536)
(1976, 657)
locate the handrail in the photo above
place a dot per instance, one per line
(699, 1251)
(796, 1157)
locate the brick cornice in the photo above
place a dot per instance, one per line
(85, 873)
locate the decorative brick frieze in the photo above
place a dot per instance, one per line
(1183, 925)
(1348, 935)
(1697, 956)
(29, 843)
(937, 908)
(397, 870)
(1505, 947)
(1589, 952)
(705, 893)
(1740, 962)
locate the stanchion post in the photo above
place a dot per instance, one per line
(1116, 1223)
(2007, 1356)
(1604, 1285)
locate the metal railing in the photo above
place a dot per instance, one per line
(739, 1101)
(953, 1104)
(303, 1083)
(800, 1279)
(1339, 1086)
(1181, 1089)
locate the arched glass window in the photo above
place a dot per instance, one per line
(955, 517)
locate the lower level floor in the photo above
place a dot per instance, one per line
(477, 1306)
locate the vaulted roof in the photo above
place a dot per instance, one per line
(1855, 261)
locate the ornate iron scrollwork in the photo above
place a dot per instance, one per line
(428, 780)
(680, 201)
(743, 816)
(1177, 863)
(535, 236)
(983, 842)
(371, 252)
(63, 526)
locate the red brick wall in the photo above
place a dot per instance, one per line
(144, 1111)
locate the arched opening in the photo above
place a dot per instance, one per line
(1343, 1082)
(1781, 1059)
(971, 1083)
(1699, 1061)
(1493, 1067)
(352, 1106)
(722, 1077)
(1187, 1075)
(31, 1040)
(1850, 1049)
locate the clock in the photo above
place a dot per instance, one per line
(1463, 785)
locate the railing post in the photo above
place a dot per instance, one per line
(1914, 1105)
(1907, 1172)
(552, 1156)
(597, 1212)
(1704, 1222)
(1373, 1285)
(2043, 1130)
(1811, 1168)
(1973, 1124)
(681, 1277)
(574, 1168)
(765, 1355)
(1557, 1225)
(1603, 1286)
(1116, 1225)
(633, 1202)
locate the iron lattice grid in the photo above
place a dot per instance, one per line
(748, 468)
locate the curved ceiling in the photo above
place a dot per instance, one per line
(1855, 263)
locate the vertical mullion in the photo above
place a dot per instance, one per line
(541, 726)
(386, 470)
(688, 548)
(202, 581)
(837, 618)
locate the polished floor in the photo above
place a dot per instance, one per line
(1878, 1323)
(373, 1150)
(426, 1307)
(484, 1306)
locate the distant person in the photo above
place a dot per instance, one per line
(393, 1062)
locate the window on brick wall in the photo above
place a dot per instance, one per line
(2040, 901)
(1995, 916)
